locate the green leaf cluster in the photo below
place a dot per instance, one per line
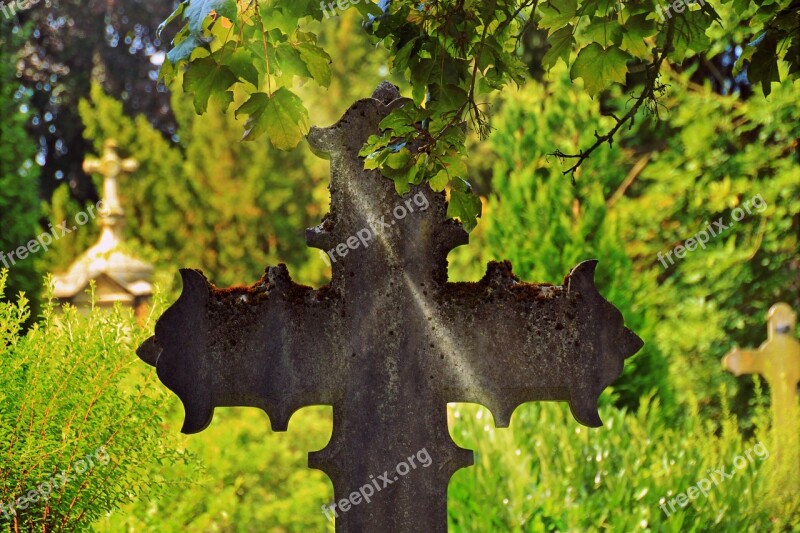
(775, 30)
(454, 55)
(402, 157)
(258, 48)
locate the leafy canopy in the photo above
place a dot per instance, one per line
(454, 55)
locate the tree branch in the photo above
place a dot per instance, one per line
(648, 93)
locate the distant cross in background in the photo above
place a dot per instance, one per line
(778, 360)
(389, 343)
(110, 166)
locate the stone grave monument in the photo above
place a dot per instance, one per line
(389, 342)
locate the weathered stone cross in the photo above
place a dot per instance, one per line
(389, 343)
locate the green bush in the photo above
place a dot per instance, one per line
(75, 401)
(547, 473)
(250, 479)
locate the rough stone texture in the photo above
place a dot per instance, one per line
(390, 342)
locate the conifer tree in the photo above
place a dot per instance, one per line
(19, 201)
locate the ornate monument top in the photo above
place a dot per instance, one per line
(119, 276)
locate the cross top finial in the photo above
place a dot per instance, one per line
(110, 166)
(386, 92)
(782, 320)
(369, 223)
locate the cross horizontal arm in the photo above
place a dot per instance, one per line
(265, 346)
(740, 361)
(532, 342)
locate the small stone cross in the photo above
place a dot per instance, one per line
(389, 342)
(110, 166)
(778, 360)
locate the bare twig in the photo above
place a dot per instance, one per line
(648, 93)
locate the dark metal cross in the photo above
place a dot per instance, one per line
(389, 342)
